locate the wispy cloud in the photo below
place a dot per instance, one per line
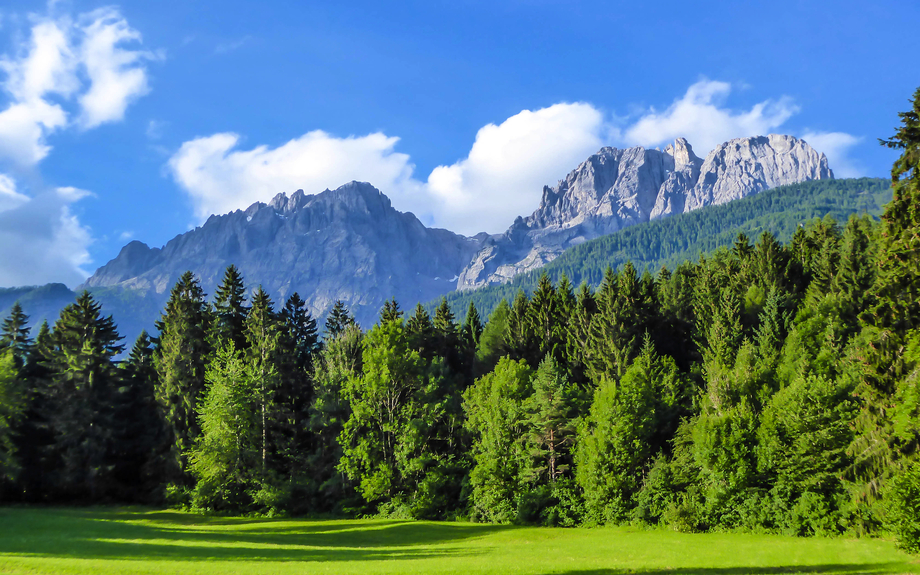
(225, 47)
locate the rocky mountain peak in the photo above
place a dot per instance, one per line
(616, 188)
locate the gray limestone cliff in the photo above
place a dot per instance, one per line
(617, 188)
(351, 244)
(347, 244)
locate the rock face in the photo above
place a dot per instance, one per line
(617, 188)
(350, 243)
(347, 244)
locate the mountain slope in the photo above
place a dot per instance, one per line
(347, 244)
(615, 189)
(667, 242)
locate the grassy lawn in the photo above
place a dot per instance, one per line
(102, 541)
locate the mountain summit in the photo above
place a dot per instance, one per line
(348, 244)
(617, 188)
(351, 244)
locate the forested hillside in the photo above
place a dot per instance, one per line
(764, 386)
(670, 241)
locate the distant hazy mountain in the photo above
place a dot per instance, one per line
(351, 244)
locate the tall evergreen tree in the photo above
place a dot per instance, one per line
(390, 311)
(229, 309)
(181, 364)
(15, 335)
(84, 384)
(139, 432)
(899, 266)
(472, 328)
(338, 320)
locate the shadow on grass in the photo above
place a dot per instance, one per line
(138, 535)
(827, 569)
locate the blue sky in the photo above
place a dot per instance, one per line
(137, 120)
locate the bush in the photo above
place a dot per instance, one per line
(904, 508)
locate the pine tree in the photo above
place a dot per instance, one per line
(551, 416)
(519, 338)
(420, 331)
(492, 340)
(15, 335)
(229, 310)
(84, 383)
(301, 331)
(544, 319)
(181, 363)
(34, 437)
(390, 311)
(472, 328)
(899, 266)
(138, 430)
(338, 320)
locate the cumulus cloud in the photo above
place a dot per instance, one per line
(509, 164)
(65, 60)
(220, 178)
(501, 177)
(836, 146)
(117, 76)
(71, 72)
(700, 116)
(41, 240)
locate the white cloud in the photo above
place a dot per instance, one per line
(502, 176)
(836, 146)
(700, 116)
(41, 240)
(225, 47)
(67, 69)
(117, 76)
(64, 60)
(220, 178)
(509, 164)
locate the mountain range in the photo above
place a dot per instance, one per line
(350, 244)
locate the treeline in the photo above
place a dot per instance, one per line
(763, 387)
(669, 241)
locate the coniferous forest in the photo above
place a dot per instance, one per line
(766, 387)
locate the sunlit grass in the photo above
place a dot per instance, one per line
(102, 541)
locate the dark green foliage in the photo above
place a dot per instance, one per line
(85, 382)
(180, 359)
(15, 335)
(338, 320)
(229, 310)
(669, 241)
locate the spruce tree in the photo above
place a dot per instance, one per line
(85, 382)
(181, 363)
(472, 328)
(34, 437)
(390, 311)
(338, 320)
(139, 431)
(15, 335)
(544, 319)
(420, 331)
(899, 266)
(301, 331)
(229, 309)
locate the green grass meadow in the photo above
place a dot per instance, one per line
(124, 540)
